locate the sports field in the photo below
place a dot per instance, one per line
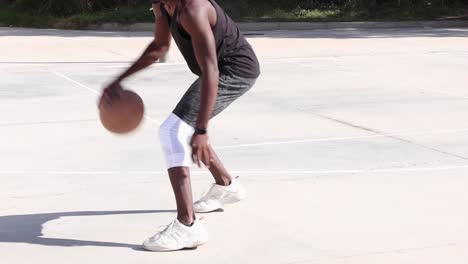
(353, 146)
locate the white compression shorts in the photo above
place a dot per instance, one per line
(175, 136)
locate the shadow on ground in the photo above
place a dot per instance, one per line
(28, 228)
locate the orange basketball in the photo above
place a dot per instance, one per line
(123, 114)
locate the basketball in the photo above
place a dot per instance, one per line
(123, 114)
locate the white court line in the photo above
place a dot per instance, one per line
(445, 93)
(291, 141)
(155, 65)
(73, 81)
(257, 172)
(344, 138)
(262, 60)
(92, 90)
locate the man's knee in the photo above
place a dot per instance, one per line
(174, 135)
(179, 172)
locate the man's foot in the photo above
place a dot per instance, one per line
(217, 196)
(177, 236)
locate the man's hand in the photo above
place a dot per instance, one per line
(110, 93)
(201, 150)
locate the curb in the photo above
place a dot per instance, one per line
(346, 25)
(268, 26)
(121, 27)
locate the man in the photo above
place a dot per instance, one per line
(216, 51)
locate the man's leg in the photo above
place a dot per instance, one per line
(180, 181)
(218, 171)
(185, 231)
(174, 135)
(226, 190)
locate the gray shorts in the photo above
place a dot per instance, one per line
(229, 89)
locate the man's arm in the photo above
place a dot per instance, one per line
(195, 20)
(155, 50)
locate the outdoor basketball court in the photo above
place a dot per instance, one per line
(353, 146)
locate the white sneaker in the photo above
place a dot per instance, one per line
(217, 196)
(177, 236)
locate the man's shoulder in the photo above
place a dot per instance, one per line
(194, 8)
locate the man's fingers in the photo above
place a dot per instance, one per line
(203, 158)
(201, 152)
(115, 94)
(194, 155)
(195, 160)
(111, 93)
(107, 99)
(199, 155)
(107, 96)
(206, 157)
(104, 101)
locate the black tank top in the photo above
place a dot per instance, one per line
(235, 55)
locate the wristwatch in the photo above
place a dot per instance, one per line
(200, 131)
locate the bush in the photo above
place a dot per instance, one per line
(70, 7)
(51, 7)
(81, 13)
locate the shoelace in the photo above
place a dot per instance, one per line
(167, 228)
(213, 194)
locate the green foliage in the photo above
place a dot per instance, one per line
(10, 17)
(340, 9)
(69, 7)
(123, 15)
(50, 7)
(342, 4)
(236, 8)
(302, 15)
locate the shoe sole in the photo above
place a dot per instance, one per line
(168, 250)
(172, 249)
(233, 200)
(226, 201)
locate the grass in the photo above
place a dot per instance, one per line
(130, 15)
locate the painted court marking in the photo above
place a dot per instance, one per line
(272, 143)
(278, 142)
(257, 172)
(74, 82)
(402, 133)
(91, 90)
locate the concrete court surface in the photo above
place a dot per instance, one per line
(353, 146)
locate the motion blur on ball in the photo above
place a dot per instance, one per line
(123, 113)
